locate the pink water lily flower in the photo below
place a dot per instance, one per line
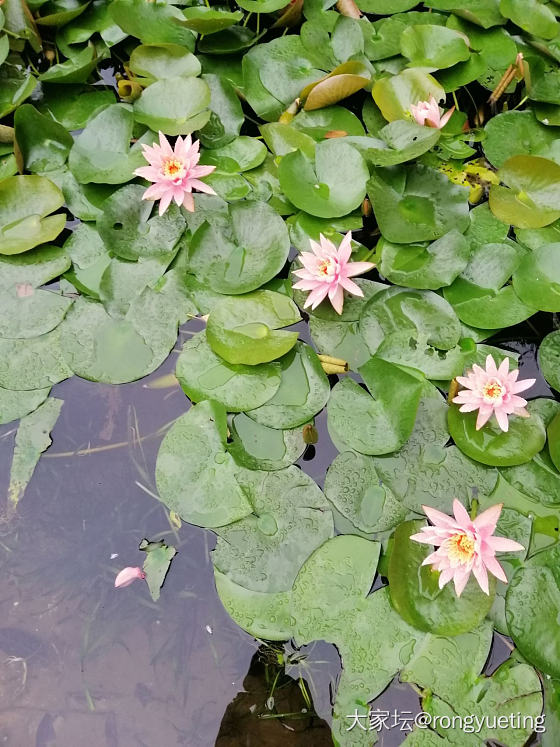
(429, 114)
(128, 576)
(326, 272)
(493, 391)
(465, 545)
(174, 172)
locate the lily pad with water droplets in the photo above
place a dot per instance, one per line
(158, 559)
(204, 375)
(258, 447)
(112, 350)
(26, 312)
(290, 518)
(244, 329)
(176, 106)
(195, 475)
(15, 405)
(303, 392)
(243, 255)
(35, 363)
(36, 267)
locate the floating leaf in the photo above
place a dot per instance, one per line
(245, 253)
(290, 518)
(29, 313)
(303, 392)
(25, 205)
(532, 16)
(382, 422)
(74, 107)
(226, 114)
(129, 232)
(258, 447)
(537, 279)
(331, 186)
(433, 46)
(395, 95)
(99, 347)
(176, 106)
(490, 445)
(234, 334)
(205, 20)
(158, 559)
(195, 475)
(152, 23)
(549, 359)
(204, 375)
(15, 405)
(32, 438)
(47, 151)
(416, 203)
(36, 267)
(516, 133)
(160, 61)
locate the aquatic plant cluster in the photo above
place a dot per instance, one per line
(386, 175)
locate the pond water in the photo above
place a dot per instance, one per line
(84, 663)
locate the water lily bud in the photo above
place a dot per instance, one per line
(310, 434)
(348, 8)
(366, 208)
(127, 576)
(129, 90)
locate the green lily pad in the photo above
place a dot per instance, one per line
(36, 267)
(99, 347)
(36, 363)
(47, 151)
(553, 434)
(340, 340)
(158, 559)
(532, 16)
(204, 375)
(59, 12)
(412, 349)
(490, 445)
(354, 487)
(74, 107)
(206, 21)
(241, 154)
(152, 23)
(530, 199)
(516, 133)
(129, 232)
(424, 265)
(122, 281)
(175, 106)
(195, 475)
(537, 279)
(303, 392)
(317, 123)
(532, 609)
(425, 471)
(433, 46)
(396, 310)
(102, 152)
(381, 422)
(90, 259)
(290, 518)
(256, 446)
(484, 13)
(160, 61)
(331, 186)
(416, 203)
(25, 206)
(245, 253)
(15, 405)
(385, 40)
(479, 295)
(32, 439)
(263, 615)
(29, 313)
(416, 596)
(234, 334)
(226, 114)
(16, 85)
(395, 143)
(538, 479)
(549, 359)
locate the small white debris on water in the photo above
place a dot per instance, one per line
(114, 555)
(209, 630)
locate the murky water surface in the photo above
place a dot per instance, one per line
(83, 664)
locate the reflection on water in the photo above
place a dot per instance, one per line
(84, 664)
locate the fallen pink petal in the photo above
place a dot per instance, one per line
(128, 575)
(429, 114)
(465, 546)
(174, 172)
(326, 272)
(493, 391)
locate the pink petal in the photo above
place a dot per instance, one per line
(165, 201)
(481, 576)
(345, 248)
(438, 518)
(446, 117)
(484, 415)
(520, 386)
(445, 577)
(147, 172)
(502, 419)
(316, 296)
(336, 297)
(165, 145)
(357, 268)
(198, 171)
(188, 202)
(461, 515)
(197, 184)
(504, 368)
(503, 544)
(460, 580)
(127, 576)
(491, 366)
(155, 191)
(495, 569)
(351, 287)
(487, 520)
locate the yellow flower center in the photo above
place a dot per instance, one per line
(172, 168)
(460, 548)
(492, 390)
(326, 268)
